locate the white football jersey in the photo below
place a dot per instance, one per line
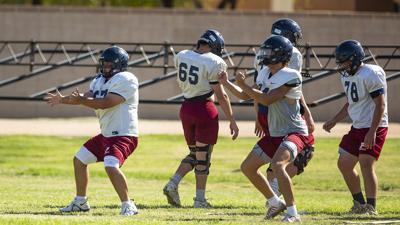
(368, 79)
(296, 62)
(283, 117)
(197, 71)
(122, 119)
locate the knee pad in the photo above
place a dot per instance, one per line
(291, 147)
(85, 156)
(303, 158)
(191, 157)
(206, 163)
(111, 161)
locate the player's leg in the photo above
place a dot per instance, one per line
(187, 164)
(117, 177)
(367, 165)
(260, 155)
(206, 135)
(368, 159)
(279, 163)
(296, 167)
(119, 182)
(291, 170)
(250, 168)
(348, 159)
(81, 160)
(346, 164)
(118, 150)
(288, 150)
(202, 170)
(81, 177)
(170, 190)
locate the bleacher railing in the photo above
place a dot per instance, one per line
(44, 56)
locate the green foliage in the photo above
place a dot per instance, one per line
(36, 178)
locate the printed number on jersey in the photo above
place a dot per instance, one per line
(188, 72)
(352, 87)
(100, 94)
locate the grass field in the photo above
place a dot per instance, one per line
(36, 178)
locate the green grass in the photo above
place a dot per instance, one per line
(36, 178)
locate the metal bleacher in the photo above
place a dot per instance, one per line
(41, 57)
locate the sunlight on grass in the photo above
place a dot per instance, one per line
(36, 177)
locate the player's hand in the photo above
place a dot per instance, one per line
(54, 98)
(240, 77)
(234, 129)
(258, 129)
(311, 127)
(75, 97)
(329, 125)
(223, 77)
(369, 139)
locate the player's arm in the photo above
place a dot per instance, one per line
(109, 101)
(263, 98)
(341, 115)
(307, 115)
(235, 90)
(224, 102)
(380, 105)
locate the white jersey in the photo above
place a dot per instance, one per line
(368, 80)
(296, 62)
(196, 72)
(283, 117)
(122, 119)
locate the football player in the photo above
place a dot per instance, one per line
(288, 132)
(366, 92)
(113, 94)
(291, 30)
(198, 72)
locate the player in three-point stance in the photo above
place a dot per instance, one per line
(198, 72)
(366, 92)
(113, 94)
(288, 132)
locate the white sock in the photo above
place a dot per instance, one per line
(292, 210)
(200, 194)
(274, 201)
(80, 198)
(275, 187)
(126, 202)
(176, 179)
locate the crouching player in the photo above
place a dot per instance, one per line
(113, 95)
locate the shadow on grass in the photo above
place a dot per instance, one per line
(146, 206)
(51, 213)
(352, 217)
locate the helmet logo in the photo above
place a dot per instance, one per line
(212, 38)
(277, 31)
